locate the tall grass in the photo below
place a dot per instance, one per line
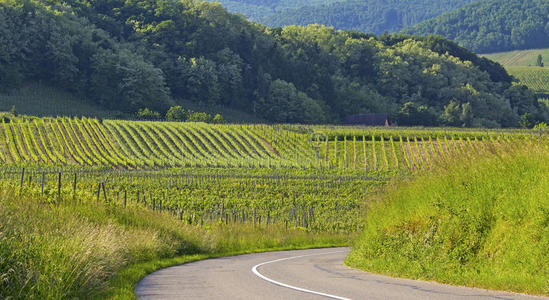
(68, 251)
(481, 221)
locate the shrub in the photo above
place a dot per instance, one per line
(147, 114)
(176, 113)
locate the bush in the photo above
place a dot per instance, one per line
(218, 119)
(147, 114)
(176, 114)
(199, 117)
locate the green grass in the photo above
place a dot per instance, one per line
(65, 251)
(535, 78)
(519, 58)
(482, 222)
(41, 100)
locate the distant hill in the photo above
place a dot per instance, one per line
(493, 25)
(369, 16)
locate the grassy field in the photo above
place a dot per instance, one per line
(479, 222)
(521, 58)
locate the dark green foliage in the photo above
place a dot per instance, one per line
(539, 61)
(361, 15)
(493, 25)
(412, 114)
(126, 55)
(176, 113)
(526, 121)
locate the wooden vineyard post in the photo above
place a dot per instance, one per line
(42, 184)
(22, 177)
(59, 187)
(98, 191)
(125, 198)
(74, 187)
(104, 192)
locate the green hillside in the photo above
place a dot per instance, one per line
(360, 15)
(519, 58)
(176, 53)
(493, 25)
(480, 221)
(535, 78)
(521, 64)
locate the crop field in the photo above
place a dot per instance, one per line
(519, 58)
(290, 198)
(535, 78)
(312, 177)
(140, 145)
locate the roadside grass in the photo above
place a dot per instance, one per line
(84, 251)
(481, 221)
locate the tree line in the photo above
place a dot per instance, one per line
(135, 54)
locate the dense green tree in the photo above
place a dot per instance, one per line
(493, 25)
(539, 61)
(361, 15)
(134, 54)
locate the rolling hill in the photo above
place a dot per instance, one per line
(493, 25)
(361, 15)
(521, 64)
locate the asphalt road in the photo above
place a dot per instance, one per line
(302, 274)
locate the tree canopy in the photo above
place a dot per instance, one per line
(493, 25)
(362, 15)
(134, 54)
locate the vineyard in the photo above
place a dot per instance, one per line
(535, 78)
(138, 145)
(293, 198)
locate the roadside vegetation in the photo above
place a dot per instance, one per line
(85, 250)
(480, 220)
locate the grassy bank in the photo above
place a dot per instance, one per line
(81, 251)
(480, 222)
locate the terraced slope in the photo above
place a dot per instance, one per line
(159, 145)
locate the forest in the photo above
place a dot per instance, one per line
(366, 16)
(493, 25)
(135, 54)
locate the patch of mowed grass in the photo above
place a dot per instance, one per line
(481, 222)
(69, 251)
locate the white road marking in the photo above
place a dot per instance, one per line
(256, 272)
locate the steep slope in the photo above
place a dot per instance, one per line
(493, 25)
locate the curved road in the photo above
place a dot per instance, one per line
(301, 274)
